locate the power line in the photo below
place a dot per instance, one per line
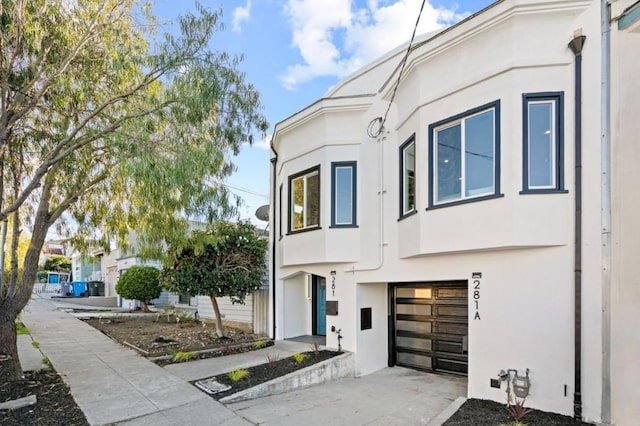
(382, 120)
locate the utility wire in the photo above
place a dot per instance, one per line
(370, 130)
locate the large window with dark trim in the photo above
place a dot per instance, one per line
(542, 152)
(408, 177)
(304, 200)
(343, 194)
(465, 156)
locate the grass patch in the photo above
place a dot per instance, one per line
(237, 375)
(299, 358)
(183, 356)
(260, 344)
(21, 329)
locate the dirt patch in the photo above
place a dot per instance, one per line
(269, 371)
(55, 404)
(479, 412)
(153, 336)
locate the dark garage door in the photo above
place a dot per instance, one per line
(430, 326)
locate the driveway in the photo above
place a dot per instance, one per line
(392, 396)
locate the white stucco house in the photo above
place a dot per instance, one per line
(482, 219)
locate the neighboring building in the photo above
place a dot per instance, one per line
(107, 267)
(449, 241)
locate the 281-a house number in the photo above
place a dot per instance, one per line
(476, 298)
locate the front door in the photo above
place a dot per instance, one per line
(430, 326)
(319, 305)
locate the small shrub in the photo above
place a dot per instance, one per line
(299, 358)
(184, 318)
(35, 344)
(237, 375)
(140, 283)
(272, 359)
(260, 344)
(183, 356)
(518, 411)
(21, 329)
(315, 348)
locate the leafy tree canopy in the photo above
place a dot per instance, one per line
(227, 260)
(108, 126)
(58, 263)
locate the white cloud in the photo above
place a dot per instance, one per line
(335, 38)
(265, 143)
(241, 14)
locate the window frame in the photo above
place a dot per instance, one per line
(304, 173)
(557, 100)
(354, 195)
(403, 148)
(450, 122)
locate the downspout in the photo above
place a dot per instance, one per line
(605, 194)
(274, 162)
(576, 46)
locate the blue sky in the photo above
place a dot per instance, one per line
(296, 50)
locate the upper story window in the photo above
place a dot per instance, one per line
(542, 153)
(408, 177)
(304, 200)
(343, 194)
(465, 157)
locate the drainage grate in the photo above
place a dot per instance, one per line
(211, 386)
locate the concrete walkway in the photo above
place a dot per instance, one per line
(392, 396)
(114, 385)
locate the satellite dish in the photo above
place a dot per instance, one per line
(263, 213)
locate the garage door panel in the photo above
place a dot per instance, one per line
(414, 310)
(414, 343)
(431, 322)
(414, 360)
(451, 311)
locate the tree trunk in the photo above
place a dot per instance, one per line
(216, 310)
(145, 306)
(8, 344)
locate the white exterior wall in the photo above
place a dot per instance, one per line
(229, 311)
(522, 243)
(625, 288)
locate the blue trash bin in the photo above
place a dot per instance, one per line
(79, 288)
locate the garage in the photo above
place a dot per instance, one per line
(429, 326)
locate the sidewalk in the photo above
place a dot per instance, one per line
(112, 384)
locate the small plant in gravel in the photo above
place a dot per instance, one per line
(518, 411)
(260, 344)
(272, 359)
(238, 375)
(299, 358)
(183, 356)
(315, 348)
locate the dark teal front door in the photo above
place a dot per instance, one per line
(321, 308)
